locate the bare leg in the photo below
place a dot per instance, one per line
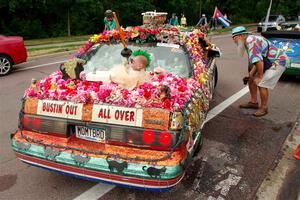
(253, 90)
(264, 95)
(263, 109)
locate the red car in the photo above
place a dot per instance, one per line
(12, 52)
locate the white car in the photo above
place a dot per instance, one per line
(274, 21)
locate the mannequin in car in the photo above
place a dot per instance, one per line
(133, 74)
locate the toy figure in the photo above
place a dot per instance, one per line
(109, 21)
(72, 85)
(34, 85)
(133, 75)
(164, 92)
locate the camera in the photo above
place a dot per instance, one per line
(245, 80)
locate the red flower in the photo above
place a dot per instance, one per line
(125, 94)
(96, 89)
(62, 87)
(166, 104)
(182, 88)
(143, 36)
(147, 93)
(161, 76)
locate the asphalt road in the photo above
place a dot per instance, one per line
(238, 149)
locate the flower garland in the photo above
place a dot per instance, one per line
(53, 87)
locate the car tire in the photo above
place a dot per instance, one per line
(216, 75)
(5, 65)
(214, 80)
(198, 146)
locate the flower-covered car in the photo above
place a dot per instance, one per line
(80, 124)
(288, 41)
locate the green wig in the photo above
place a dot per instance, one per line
(143, 53)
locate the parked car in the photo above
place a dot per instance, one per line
(12, 52)
(141, 138)
(289, 42)
(293, 24)
(274, 21)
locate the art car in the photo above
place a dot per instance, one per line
(96, 119)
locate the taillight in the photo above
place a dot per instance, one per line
(25, 120)
(138, 137)
(36, 123)
(148, 137)
(45, 125)
(165, 139)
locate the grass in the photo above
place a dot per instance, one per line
(49, 50)
(45, 41)
(249, 27)
(69, 47)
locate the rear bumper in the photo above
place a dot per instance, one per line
(21, 56)
(96, 176)
(98, 168)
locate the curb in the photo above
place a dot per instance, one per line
(275, 184)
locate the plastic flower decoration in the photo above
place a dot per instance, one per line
(145, 95)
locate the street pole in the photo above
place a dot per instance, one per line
(200, 9)
(267, 17)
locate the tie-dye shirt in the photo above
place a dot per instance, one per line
(257, 48)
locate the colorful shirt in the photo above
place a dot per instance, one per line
(173, 21)
(259, 47)
(110, 24)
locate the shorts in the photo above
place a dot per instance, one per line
(271, 76)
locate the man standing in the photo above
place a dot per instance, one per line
(183, 20)
(266, 65)
(109, 21)
(202, 21)
(173, 20)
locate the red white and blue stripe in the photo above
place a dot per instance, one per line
(223, 20)
(97, 176)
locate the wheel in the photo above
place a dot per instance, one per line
(5, 65)
(214, 80)
(198, 145)
(216, 76)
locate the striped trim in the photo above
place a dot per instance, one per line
(124, 181)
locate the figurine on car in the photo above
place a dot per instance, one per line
(109, 21)
(135, 74)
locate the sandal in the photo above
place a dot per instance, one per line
(261, 112)
(249, 105)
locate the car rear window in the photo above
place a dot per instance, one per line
(172, 58)
(272, 18)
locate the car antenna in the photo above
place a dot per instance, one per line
(125, 52)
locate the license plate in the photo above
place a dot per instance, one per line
(91, 134)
